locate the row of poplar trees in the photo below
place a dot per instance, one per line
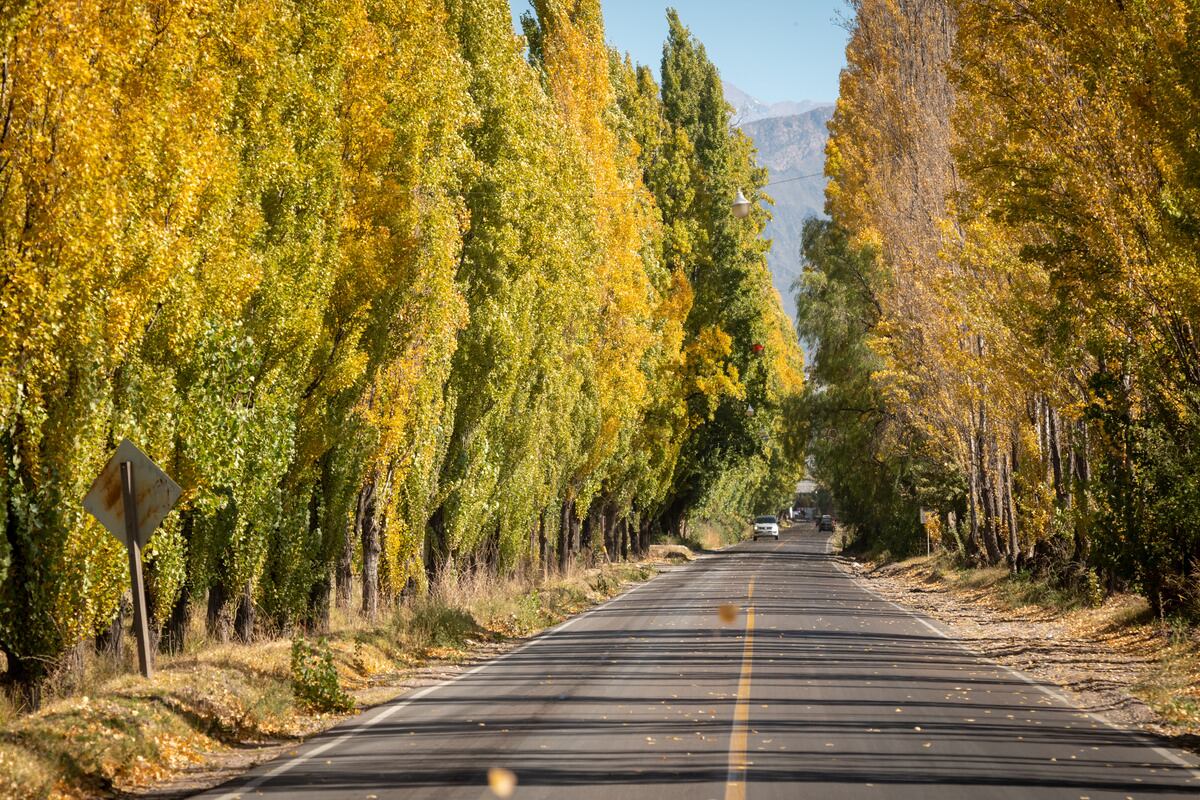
(1004, 305)
(385, 286)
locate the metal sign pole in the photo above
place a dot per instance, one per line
(924, 516)
(140, 629)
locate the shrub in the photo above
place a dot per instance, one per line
(432, 622)
(315, 678)
(1094, 589)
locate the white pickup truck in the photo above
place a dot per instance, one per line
(766, 526)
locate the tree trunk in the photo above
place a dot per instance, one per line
(609, 523)
(316, 607)
(368, 524)
(319, 596)
(997, 467)
(564, 536)
(593, 522)
(987, 495)
(25, 674)
(1014, 543)
(435, 544)
(974, 539)
(243, 622)
(534, 549)
(386, 582)
(543, 546)
(174, 635)
(1062, 496)
(575, 528)
(24, 679)
(344, 576)
(218, 617)
(1080, 479)
(111, 640)
(603, 524)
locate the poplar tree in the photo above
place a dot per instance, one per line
(385, 287)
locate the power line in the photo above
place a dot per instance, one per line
(797, 178)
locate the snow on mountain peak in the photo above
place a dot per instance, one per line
(747, 108)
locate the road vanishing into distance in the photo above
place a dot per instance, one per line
(818, 689)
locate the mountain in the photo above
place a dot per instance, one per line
(791, 146)
(750, 109)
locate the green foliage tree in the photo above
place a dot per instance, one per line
(387, 288)
(733, 325)
(852, 434)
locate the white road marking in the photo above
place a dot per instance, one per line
(1055, 694)
(391, 708)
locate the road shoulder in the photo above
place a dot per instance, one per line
(1104, 660)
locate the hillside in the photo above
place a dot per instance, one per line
(791, 146)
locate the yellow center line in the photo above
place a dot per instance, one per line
(735, 779)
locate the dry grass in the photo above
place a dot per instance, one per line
(111, 731)
(1172, 689)
(671, 552)
(713, 534)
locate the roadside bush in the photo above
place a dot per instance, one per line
(315, 678)
(433, 621)
(1094, 589)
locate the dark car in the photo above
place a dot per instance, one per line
(826, 523)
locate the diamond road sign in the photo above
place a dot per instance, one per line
(155, 494)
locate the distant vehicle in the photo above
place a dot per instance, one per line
(766, 526)
(826, 523)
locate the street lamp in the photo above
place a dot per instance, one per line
(741, 206)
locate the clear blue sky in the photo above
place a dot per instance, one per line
(773, 49)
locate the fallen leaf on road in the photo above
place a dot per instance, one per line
(728, 613)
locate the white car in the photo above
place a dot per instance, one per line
(766, 526)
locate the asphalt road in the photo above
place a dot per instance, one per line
(819, 689)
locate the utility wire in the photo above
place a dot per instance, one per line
(797, 178)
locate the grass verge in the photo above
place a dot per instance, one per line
(120, 734)
(712, 534)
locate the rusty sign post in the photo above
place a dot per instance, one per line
(926, 517)
(131, 497)
(140, 628)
